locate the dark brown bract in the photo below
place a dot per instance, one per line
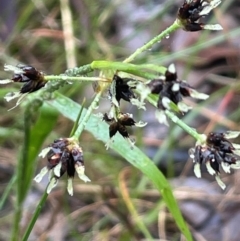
(190, 13)
(33, 79)
(64, 156)
(171, 89)
(119, 125)
(217, 151)
(120, 89)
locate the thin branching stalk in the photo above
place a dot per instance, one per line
(73, 75)
(7, 190)
(86, 117)
(185, 127)
(72, 78)
(153, 41)
(35, 215)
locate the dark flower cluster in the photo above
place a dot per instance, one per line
(172, 90)
(192, 11)
(119, 125)
(217, 151)
(64, 156)
(120, 89)
(33, 79)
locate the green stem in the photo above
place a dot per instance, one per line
(17, 219)
(76, 123)
(83, 70)
(7, 190)
(149, 44)
(72, 78)
(138, 70)
(35, 216)
(199, 137)
(188, 129)
(86, 117)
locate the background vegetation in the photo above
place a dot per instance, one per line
(120, 203)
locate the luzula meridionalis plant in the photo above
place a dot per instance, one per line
(143, 82)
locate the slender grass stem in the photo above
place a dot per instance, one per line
(185, 127)
(85, 119)
(7, 190)
(35, 216)
(149, 44)
(179, 122)
(72, 78)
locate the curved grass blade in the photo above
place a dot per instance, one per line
(136, 157)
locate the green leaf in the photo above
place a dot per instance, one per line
(136, 157)
(35, 134)
(34, 137)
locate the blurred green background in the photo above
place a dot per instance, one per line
(56, 35)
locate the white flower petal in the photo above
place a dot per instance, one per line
(195, 94)
(108, 143)
(15, 69)
(161, 117)
(175, 87)
(236, 165)
(44, 152)
(191, 153)
(237, 147)
(210, 169)
(220, 182)
(70, 186)
(141, 124)
(183, 107)
(53, 183)
(197, 170)
(226, 167)
(231, 134)
(236, 152)
(206, 10)
(40, 175)
(5, 81)
(12, 95)
(132, 83)
(172, 68)
(139, 104)
(80, 171)
(166, 102)
(213, 27)
(215, 3)
(57, 169)
(129, 115)
(143, 91)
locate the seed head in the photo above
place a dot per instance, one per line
(64, 156)
(215, 152)
(190, 13)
